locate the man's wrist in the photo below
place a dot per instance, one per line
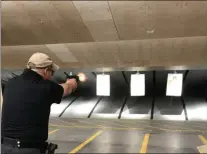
(70, 86)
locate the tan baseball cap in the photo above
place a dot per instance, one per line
(41, 60)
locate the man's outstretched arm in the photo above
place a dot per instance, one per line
(68, 87)
(61, 90)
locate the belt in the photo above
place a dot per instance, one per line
(23, 144)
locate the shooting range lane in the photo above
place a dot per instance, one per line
(86, 88)
(198, 112)
(195, 93)
(102, 131)
(81, 107)
(166, 107)
(57, 109)
(114, 106)
(68, 139)
(72, 133)
(86, 100)
(173, 143)
(121, 136)
(110, 106)
(139, 107)
(111, 141)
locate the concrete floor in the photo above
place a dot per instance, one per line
(126, 136)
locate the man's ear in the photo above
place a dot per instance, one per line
(45, 71)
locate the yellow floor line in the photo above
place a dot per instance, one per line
(86, 142)
(113, 123)
(145, 143)
(184, 124)
(168, 130)
(202, 148)
(126, 128)
(197, 124)
(101, 126)
(66, 122)
(172, 127)
(181, 126)
(90, 127)
(53, 131)
(73, 126)
(159, 128)
(145, 126)
(203, 139)
(160, 123)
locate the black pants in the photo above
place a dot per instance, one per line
(9, 149)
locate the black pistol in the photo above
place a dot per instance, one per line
(72, 77)
(51, 148)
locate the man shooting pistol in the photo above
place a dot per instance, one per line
(26, 107)
(76, 77)
(80, 77)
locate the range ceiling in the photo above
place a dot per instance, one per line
(83, 34)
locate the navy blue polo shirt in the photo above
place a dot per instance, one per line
(26, 106)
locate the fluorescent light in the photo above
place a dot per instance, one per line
(174, 84)
(103, 85)
(137, 85)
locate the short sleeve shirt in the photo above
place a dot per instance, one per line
(26, 106)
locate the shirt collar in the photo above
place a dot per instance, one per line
(31, 74)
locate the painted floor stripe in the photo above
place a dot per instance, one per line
(145, 143)
(202, 148)
(86, 142)
(53, 131)
(203, 139)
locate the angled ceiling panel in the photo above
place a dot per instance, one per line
(128, 53)
(79, 51)
(17, 56)
(62, 52)
(159, 19)
(97, 17)
(51, 22)
(42, 22)
(189, 51)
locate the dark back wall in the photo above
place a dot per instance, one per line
(194, 83)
